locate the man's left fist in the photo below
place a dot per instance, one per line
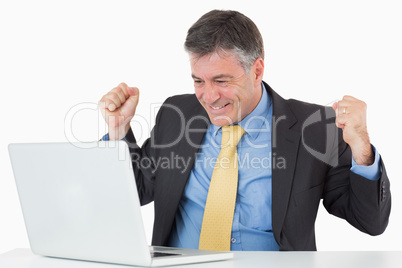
(352, 119)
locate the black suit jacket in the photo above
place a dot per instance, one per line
(310, 162)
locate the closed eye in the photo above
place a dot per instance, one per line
(221, 82)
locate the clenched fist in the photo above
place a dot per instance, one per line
(351, 118)
(118, 108)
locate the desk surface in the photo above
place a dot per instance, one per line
(24, 258)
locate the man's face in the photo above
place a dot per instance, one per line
(223, 87)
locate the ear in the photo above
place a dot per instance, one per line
(258, 71)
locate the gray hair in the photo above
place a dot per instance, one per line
(226, 31)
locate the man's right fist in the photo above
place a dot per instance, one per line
(118, 108)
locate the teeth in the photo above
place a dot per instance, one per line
(220, 107)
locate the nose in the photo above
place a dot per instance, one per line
(211, 94)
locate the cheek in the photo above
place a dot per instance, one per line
(199, 92)
(229, 94)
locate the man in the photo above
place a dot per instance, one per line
(288, 156)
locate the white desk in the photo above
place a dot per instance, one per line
(23, 258)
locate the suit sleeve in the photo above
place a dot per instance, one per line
(144, 162)
(365, 204)
(143, 167)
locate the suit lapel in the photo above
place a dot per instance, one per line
(197, 123)
(285, 144)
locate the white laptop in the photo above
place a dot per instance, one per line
(80, 201)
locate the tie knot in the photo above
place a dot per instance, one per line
(231, 135)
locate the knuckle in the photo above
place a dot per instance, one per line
(116, 89)
(102, 103)
(122, 85)
(113, 95)
(120, 93)
(109, 101)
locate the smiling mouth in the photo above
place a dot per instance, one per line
(219, 107)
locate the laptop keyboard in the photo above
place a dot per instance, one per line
(162, 254)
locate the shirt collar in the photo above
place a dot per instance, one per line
(257, 120)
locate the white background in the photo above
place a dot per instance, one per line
(55, 55)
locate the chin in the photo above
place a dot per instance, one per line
(221, 121)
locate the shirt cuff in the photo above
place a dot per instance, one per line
(106, 137)
(372, 172)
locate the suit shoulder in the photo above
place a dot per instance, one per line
(182, 99)
(186, 103)
(185, 106)
(303, 110)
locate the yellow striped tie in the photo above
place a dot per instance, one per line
(218, 214)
